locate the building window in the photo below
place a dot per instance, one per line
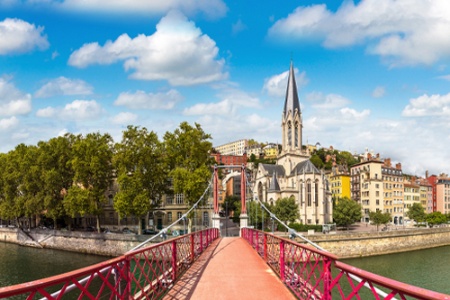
(289, 134)
(179, 214)
(169, 199)
(169, 217)
(316, 194)
(179, 198)
(296, 135)
(308, 193)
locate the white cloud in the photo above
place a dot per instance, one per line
(142, 100)
(12, 101)
(232, 102)
(64, 86)
(276, 85)
(124, 118)
(18, 36)
(330, 101)
(407, 32)
(211, 8)
(6, 124)
(423, 106)
(177, 52)
(238, 27)
(78, 110)
(378, 92)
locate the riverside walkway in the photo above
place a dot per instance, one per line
(229, 269)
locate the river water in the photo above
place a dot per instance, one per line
(428, 268)
(20, 264)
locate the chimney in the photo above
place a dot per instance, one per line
(387, 162)
(426, 174)
(398, 166)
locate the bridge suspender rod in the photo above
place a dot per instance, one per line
(293, 232)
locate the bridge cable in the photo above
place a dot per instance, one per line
(293, 232)
(84, 280)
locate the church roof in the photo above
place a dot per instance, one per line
(272, 169)
(291, 102)
(305, 167)
(274, 186)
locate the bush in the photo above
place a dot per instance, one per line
(304, 228)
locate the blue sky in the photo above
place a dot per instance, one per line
(372, 74)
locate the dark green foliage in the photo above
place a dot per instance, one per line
(346, 212)
(416, 212)
(379, 218)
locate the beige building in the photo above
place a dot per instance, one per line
(294, 175)
(393, 191)
(411, 195)
(367, 186)
(233, 148)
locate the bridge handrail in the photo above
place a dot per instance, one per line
(146, 271)
(312, 273)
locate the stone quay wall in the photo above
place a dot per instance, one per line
(342, 244)
(107, 244)
(361, 244)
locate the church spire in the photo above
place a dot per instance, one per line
(291, 102)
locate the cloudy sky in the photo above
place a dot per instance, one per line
(372, 74)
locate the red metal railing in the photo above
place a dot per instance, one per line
(146, 273)
(314, 274)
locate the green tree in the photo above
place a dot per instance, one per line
(316, 161)
(54, 158)
(231, 203)
(379, 218)
(92, 165)
(141, 174)
(187, 151)
(346, 212)
(257, 215)
(416, 212)
(286, 210)
(435, 218)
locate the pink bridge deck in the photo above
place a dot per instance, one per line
(229, 269)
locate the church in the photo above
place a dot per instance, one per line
(294, 175)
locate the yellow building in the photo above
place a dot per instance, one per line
(271, 151)
(339, 179)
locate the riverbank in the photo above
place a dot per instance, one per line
(360, 241)
(106, 244)
(367, 241)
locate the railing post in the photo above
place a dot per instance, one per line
(327, 278)
(127, 278)
(265, 247)
(201, 241)
(192, 240)
(174, 261)
(282, 267)
(257, 241)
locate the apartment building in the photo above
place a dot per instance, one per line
(367, 185)
(393, 190)
(411, 194)
(339, 181)
(233, 148)
(443, 195)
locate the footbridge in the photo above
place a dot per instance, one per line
(205, 265)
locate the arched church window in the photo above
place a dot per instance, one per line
(296, 135)
(316, 193)
(308, 193)
(289, 133)
(260, 192)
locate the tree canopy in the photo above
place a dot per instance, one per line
(379, 218)
(416, 212)
(346, 212)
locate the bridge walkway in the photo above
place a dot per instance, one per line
(229, 269)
